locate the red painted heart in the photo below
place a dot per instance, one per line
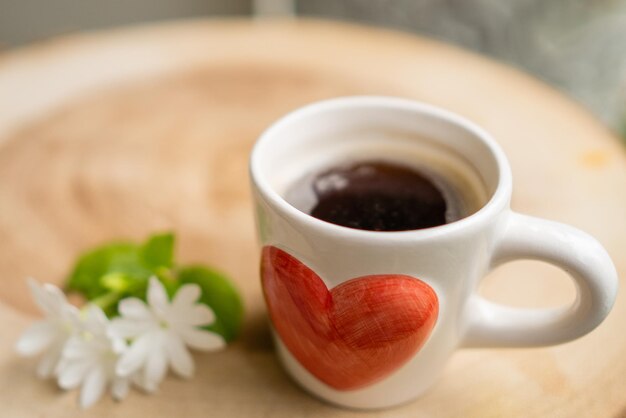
(353, 335)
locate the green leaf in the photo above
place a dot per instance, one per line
(116, 282)
(114, 271)
(123, 267)
(158, 251)
(120, 257)
(220, 295)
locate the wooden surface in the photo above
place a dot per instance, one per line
(122, 133)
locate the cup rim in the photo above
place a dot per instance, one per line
(499, 199)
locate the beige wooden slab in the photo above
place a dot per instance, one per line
(118, 134)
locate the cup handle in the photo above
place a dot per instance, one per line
(525, 237)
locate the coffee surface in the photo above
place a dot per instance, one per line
(376, 196)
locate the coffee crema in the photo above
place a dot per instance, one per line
(378, 195)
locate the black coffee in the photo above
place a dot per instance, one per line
(375, 196)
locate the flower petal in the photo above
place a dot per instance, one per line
(134, 308)
(76, 348)
(194, 315)
(72, 374)
(187, 295)
(201, 339)
(95, 320)
(178, 356)
(48, 362)
(119, 388)
(139, 380)
(136, 356)
(36, 338)
(39, 296)
(201, 315)
(118, 345)
(71, 317)
(48, 297)
(93, 387)
(157, 298)
(130, 328)
(156, 367)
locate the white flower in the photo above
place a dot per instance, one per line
(161, 332)
(48, 335)
(89, 359)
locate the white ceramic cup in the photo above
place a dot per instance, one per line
(368, 319)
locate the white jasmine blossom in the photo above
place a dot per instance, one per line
(49, 335)
(86, 350)
(89, 359)
(161, 331)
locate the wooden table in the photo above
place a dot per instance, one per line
(121, 133)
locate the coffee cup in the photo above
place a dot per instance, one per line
(367, 319)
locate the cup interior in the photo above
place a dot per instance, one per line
(371, 128)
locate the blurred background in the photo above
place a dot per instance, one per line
(576, 45)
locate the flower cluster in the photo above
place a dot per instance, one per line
(85, 348)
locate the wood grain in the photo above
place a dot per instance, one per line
(122, 133)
